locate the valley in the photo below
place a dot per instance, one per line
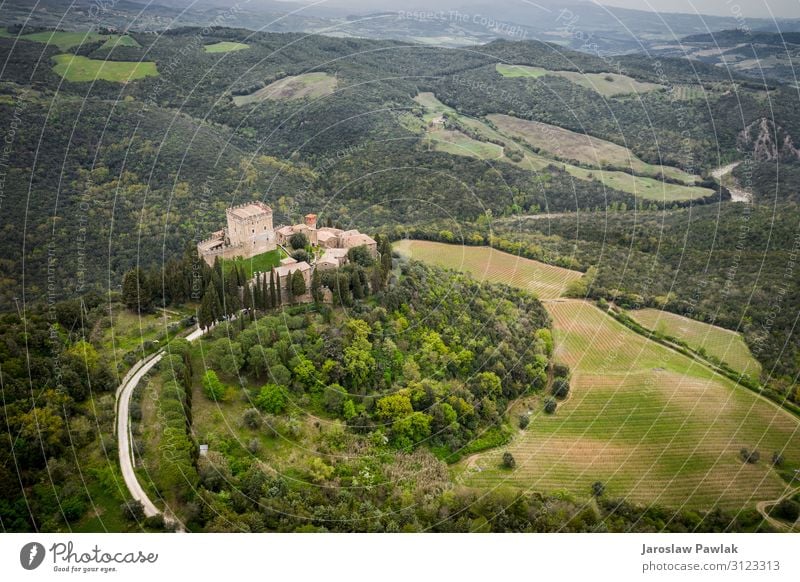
(510, 287)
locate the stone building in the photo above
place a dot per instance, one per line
(249, 233)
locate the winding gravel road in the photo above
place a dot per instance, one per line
(124, 439)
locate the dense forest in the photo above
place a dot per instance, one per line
(106, 188)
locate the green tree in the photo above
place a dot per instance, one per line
(508, 460)
(133, 510)
(136, 291)
(348, 409)
(560, 388)
(550, 405)
(394, 407)
(298, 284)
(316, 287)
(358, 359)
(212, 387)
(360, 255)
(272, 398)
(411, 430)
(298, 241)
(273, 300)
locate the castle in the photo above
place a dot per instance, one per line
(250, 233)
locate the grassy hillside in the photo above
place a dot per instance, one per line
(583, 148)
(653, 425)
(606, 84)
(225, 47)
(492, 266)
(80, 69)
(724, 344)
(483, 139)
(307, 85)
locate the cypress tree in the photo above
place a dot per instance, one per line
(272, 299)
(298, 283)
(290, 288)
(358, 290)
(316, 287)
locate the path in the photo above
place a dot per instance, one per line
(764, 506)
(124, 438)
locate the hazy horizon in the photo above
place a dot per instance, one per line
(727, 8)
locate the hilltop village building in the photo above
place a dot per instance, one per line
(250, 232)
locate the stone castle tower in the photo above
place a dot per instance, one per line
(250, 227)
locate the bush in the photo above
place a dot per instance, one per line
(155, 522)
(550, 405)
(777, 459)
(301, 255)
(561, 370)
(508, 460)
(524, 421)
(133, 510)
(298, 241)
(598, 489)
(251, 418)
(212, 387)
(272, 398)
(748, 456)
(787, 510)
(560, 388)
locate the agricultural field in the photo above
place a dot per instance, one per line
(517, 71)
(79, 69)
(120, 41)
(606, 84)
(585, 149)
(65, 40)
(433, 107)
(225, 47)
(458, 143)
(654, 426)
(640, 186)
(724, 344)
(305, 86)
(493, 266)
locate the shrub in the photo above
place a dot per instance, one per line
(508, 460)
(777, 459)
(272, 398)
(298, 241)
(598, 489)
(550, 405)
(787, 509)
(524, 421)
(561, 370)
(251, 418)
(155, 522)
(133, 510)
(212, 387)
(560, 388)
(300, 255)
(749, 456)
